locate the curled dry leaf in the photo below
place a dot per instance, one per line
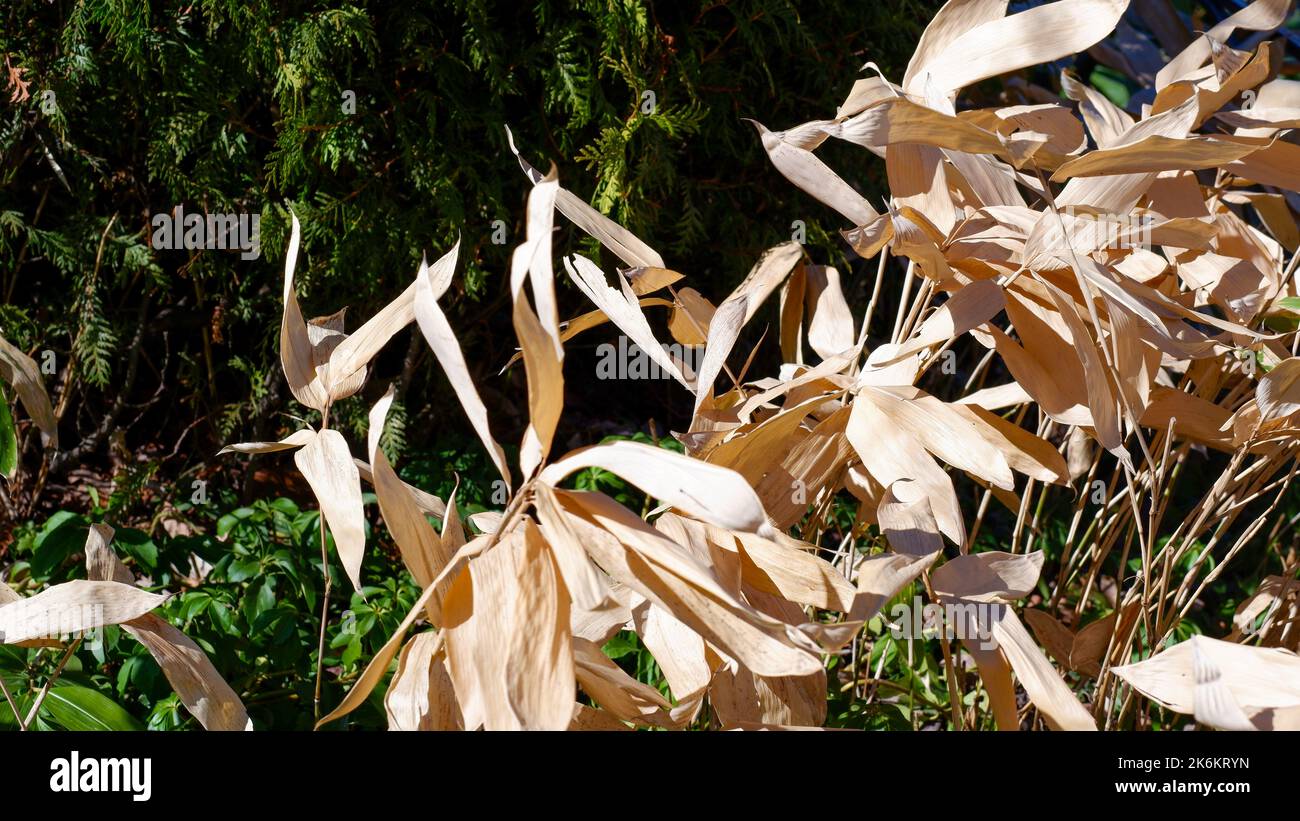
(19, 370)
(708, 492)
(420, 696)
(188, 669)
(1217, 681)
(430, 284)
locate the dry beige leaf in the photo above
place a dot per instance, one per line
(540, 681)
(1278, 392)
(707, 492)
(294, 440)
(1024, 452)
(814, 178)
(1106, 121)
(352, 355)
(1102, 401)
(679, 651)
(326, 463)
(741, 699)
(691, 317)
(725, 324)
(1261, 15)
(1212, 701)
(948, 433)
(830, 331)
(968, 308)
(585, 584)
(453, 532)
(909, 525)
(508, 641)
(795, 574)
(427, 502)
(623, 309)
(422, 550)
(646, 561)
(616, 692)
(980, 586)
(197, 683)
(1256, 678)
(295, 345)
(889, 454)
(989, 577)
(625, 245)
(952, 21)
(995, 673)
(74, 607)
(1044, 687)
(1038, 35)
(538, 333)
(438, 333)
(809, 472)
(19, 370)
(378, 665)
(1079, 652)
(326, 336)
(420, 695)
(8, 595)
(1158, 153)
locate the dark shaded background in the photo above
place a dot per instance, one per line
(238, 107)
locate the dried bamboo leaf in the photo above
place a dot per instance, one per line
(581, 578)
(326, 463)
(889, 454)
(1038, 35)
(1044, 687)
(814, 178)
(968, 308)
(643, 559)
(19, 370)
(1158, 153)
(420, 695)
(189, 670)
(74, 607)
(994, 576)
(622, 308)
(295, 345)
(943, 430)
(1278, 392)
(378, 665)
(1255, 677)
(438, 333)
(909, 525)
(422, 550)
(618, 693)
(707, 492)
(479, 616)
(426, 502)
(724, 326)
(794, 574)
(294, 440)
(625, 245)
(539, 338)
(540, 681)
(957, 17)
(679, 651)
